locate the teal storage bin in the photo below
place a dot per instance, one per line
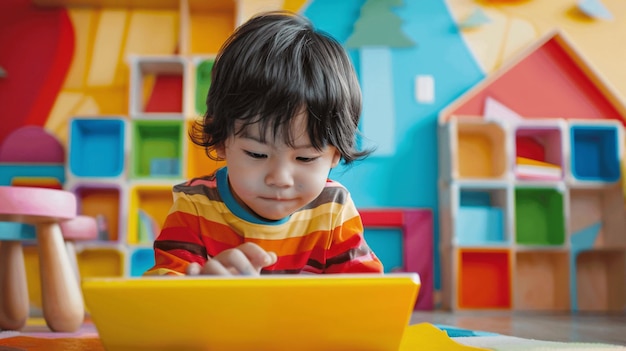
(141, 260)
(96, 147)
(595, 154)
(480, 217)
(480, 225)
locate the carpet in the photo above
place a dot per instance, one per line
(422, 336)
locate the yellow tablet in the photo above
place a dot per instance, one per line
(286, 312)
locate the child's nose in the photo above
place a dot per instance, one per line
(280, 176)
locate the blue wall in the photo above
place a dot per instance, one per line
(407, 178)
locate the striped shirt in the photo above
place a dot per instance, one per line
(325, 236)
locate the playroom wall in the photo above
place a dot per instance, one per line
(71, 67)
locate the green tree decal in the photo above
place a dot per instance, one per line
(375, 33)
(379, 26)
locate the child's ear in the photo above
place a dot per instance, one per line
(220, 151)
(336, 159)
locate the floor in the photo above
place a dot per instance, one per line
(587, 328)
(565, 327)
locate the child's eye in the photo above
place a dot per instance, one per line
(255, 155)
(306, 159)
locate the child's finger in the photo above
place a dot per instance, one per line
(193, 269)
(257, 256)
(236, 259)
(273, 258)
(214, 267)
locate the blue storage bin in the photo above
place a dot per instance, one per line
(17, 231)
(479, 221)
(480, 225)
(595, 153)
(97, 147)
(141, 260)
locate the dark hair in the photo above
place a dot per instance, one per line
(274, 67)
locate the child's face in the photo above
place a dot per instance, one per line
(272, 179)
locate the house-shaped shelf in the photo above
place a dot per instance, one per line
(549, 131)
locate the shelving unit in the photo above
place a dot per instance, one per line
(128, 187)
(141, 155)
(530, 244)
(532, 208)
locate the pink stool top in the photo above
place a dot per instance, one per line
(80, 228)
(36, 205)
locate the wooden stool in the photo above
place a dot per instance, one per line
(78, 229)
(62, 298)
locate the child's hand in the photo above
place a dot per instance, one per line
(246, 259)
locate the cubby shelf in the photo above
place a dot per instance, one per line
(148, 206)
(105, 202)
(598, 274)
(474, 148)
(484, 280)
(128, 186)
(157, 149)
(140, 157)
(544, 140)
(201, 75)
(482, 213)
(542, 280)
(101, 259)
(596, 151)
(539, 216)
(532, 240)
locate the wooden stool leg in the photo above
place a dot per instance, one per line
(13, 287)
(62, 299)
(71, 255)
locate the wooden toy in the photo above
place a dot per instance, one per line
(62, 298)
(18, 147)
(25, 163)
(531, 212)
(11, 171)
